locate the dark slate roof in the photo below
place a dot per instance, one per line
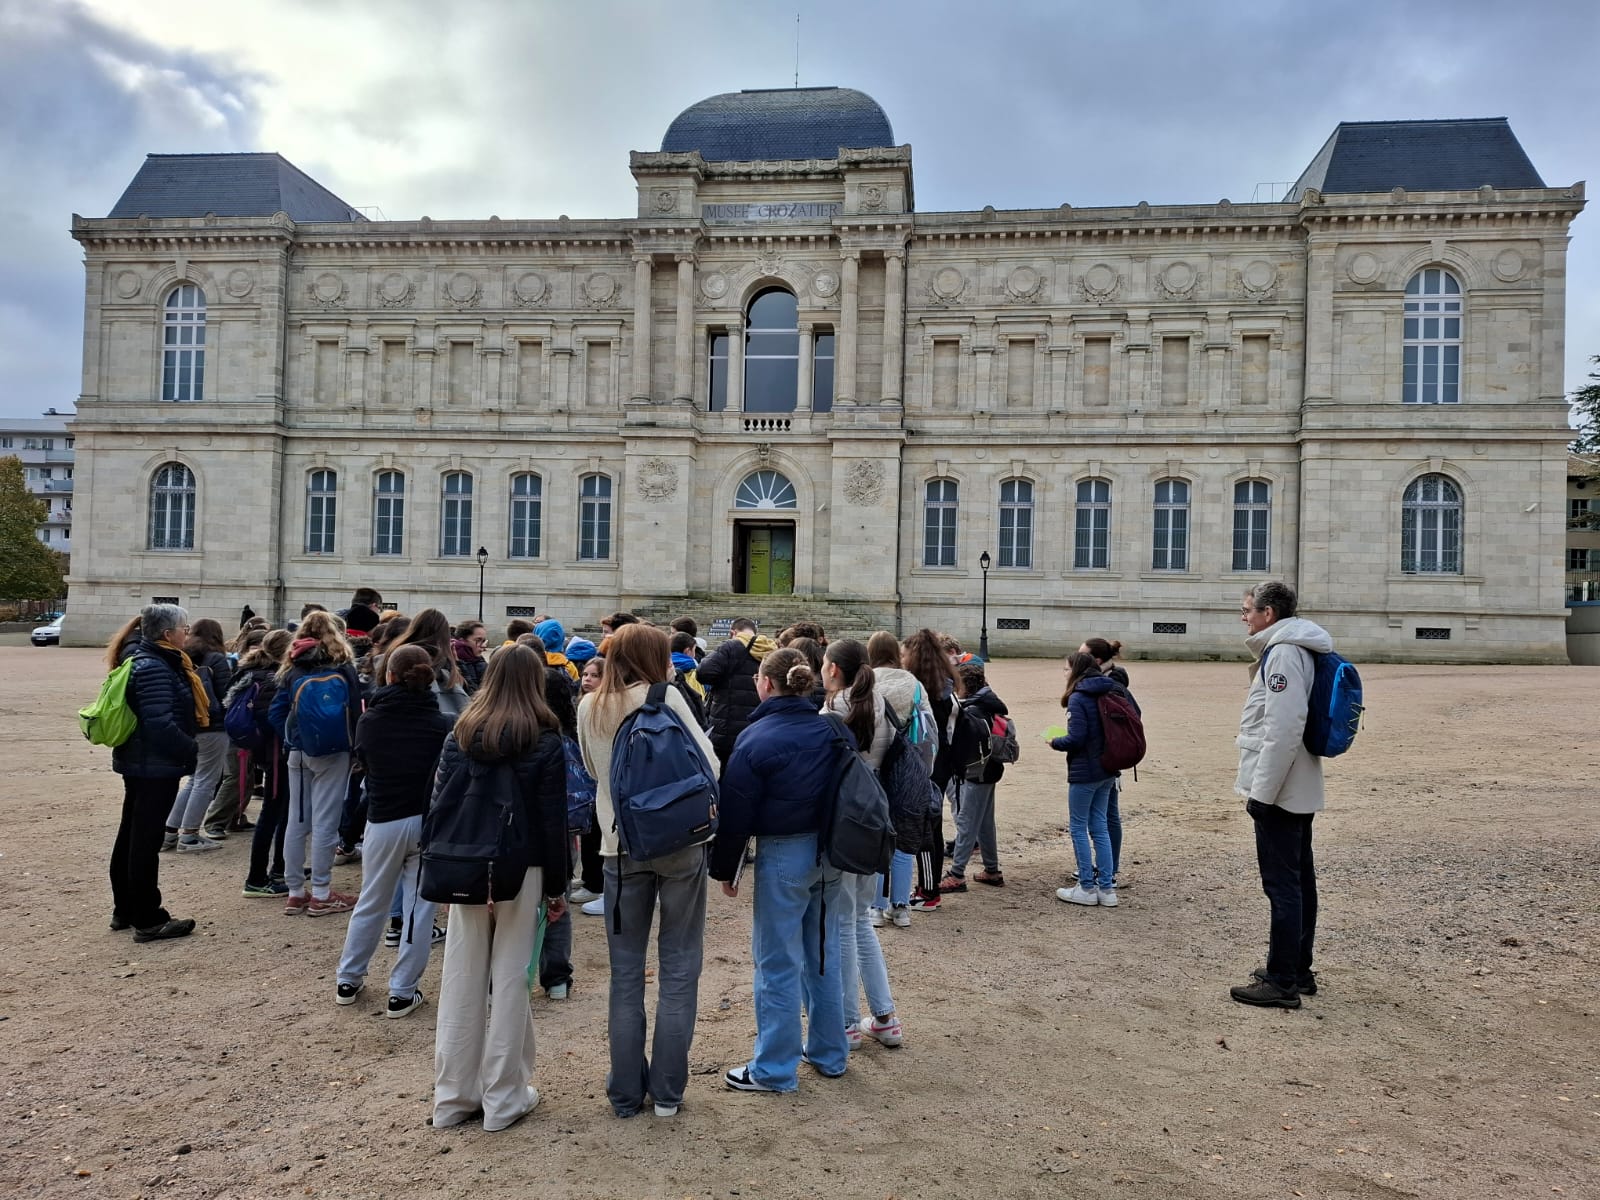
(230, 185)
(779, 123)
(1420, 156)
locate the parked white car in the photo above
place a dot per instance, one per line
(49, 635)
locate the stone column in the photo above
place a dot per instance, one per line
(683, 356)
(642, 270)
(1319, 322)
(894, 288)
(802, 399)
(844, 345)
(736, 366)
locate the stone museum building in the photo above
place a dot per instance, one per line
(779, 387)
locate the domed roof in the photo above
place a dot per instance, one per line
(779, 123)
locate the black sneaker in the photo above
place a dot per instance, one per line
(346, 993)
(1265, 994)
(391, 935)
(167, 929)
(1306, 985)
(119, 923)
(399, 1006)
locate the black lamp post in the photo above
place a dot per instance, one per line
(983, 635)
(483, 561)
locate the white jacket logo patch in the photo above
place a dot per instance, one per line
(1276, 682)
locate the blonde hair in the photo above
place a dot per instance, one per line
(328, 630)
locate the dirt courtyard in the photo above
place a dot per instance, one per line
(1051, 1051)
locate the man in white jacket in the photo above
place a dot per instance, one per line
(1282, 784)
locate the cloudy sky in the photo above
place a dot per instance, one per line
(528, 109)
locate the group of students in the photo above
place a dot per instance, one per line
(359, 721)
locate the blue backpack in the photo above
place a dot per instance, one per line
(319, 720)
(580, 789)
(663, 788)
(1333, 717)
(244, 725)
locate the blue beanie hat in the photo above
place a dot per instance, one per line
(580, 650)
(551, 634)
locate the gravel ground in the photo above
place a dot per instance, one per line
(1050, 1051)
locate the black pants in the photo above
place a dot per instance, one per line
(273, 820)
(593, 874)
(1289, 878)
(353, 820)
(136, 855)
(930, 860)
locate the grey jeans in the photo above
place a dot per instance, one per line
(197, 793)
(391, 855)
(678, 881)
(975, 827)
(316, 798)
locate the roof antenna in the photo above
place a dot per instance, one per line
(797, 50)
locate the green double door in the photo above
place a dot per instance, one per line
(764, 559)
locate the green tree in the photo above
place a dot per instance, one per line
(29, 569)
(1586, 408)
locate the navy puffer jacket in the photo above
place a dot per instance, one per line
(1085, 741)
(163, 745)
(777, 781)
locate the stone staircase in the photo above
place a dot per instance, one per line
(839, 616)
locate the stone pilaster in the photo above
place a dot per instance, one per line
(894, 333)
(642, 271)
(845, 344)
(683, 346)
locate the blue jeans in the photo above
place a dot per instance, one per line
(795, 945)
(899, 881)
(1086, 807)
(861, 962)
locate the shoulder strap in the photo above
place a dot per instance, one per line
(657, 694)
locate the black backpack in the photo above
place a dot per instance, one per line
(858, 834)
(905, 781)
(973, 727)
(475, 838)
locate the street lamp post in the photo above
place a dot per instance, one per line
(483, 561)
(983, 635)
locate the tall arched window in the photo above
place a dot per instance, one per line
(388, 512)
(939, 523)
(594, 517)
(1091, 549)
(172, 494)
(322, 503)
(527, 520)
(455, 526)
(183, 344)
(1016, 523)
(1252, 515)
(1171, 526)
(771, 352)
(765, 489)
(1430, 527)
(1433, 338)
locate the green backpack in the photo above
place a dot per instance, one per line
(109, 721)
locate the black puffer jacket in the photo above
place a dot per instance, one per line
(398, 740)
(541, 774)
(963, 750)
(728, 674)
(163, 745)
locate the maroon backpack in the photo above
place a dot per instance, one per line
(1123, 730)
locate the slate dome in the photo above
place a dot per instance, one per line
(779, 123)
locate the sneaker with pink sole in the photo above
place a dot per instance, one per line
(885, 1033)
(337, 902)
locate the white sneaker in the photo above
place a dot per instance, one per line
(666, 1110)
(582, 895)
(1078, 895)
(875, 917)
(901, 916)
(195, 844)
(1108, 897)
(595, 907)
(559, 991)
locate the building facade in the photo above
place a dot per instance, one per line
(45, 448)
(778, 377)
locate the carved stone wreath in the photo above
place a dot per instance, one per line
(1178, 281)
(395, 291)
(462, 290)
(327, 290)
(863, 482)
(657, 479)
(240, 283)
(947, 286)
(599, 290)
(530, 290)
(872, 197)
(1258, 281)
(1024, 283)
(1099, 284)
(666, 200)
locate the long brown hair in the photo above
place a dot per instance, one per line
(205, 637)
(430, 629)
(883, 650)
(270, 652)
(326, 629)
(119, 639)
(508, 711)
(1080, 666)
(850, 656)
(922, 655)
(637, 653)
(242, 640)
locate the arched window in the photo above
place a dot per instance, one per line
(172, 495)
(1433, 338)
(1430, 527)
(1252, 515)
(1171, 526)
(183, 344)
(939, 523)
(322, 502)
(455, 526)
(1091, 550)
(527, 519)
(765, 489)
(771, 352)
(388, 512)
(1016, 523)
(594, 517)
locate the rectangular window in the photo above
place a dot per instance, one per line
(1016, 524)
(47, 443)
(389, 513)
(455, 532)
(946, 373)
(822, 373)
(1254, 362)
(1096, 372)
(530, 373)
(597, 374)
(321, 512)
(1577, 508)
(392, 365)
(939, 524)
(5, 443)
(717, 373)
(462, 355)
(1174, 372)
(594, 518)
(1252, 511)
(1171, 526)
(1019, 373)
(325, 371)
(526, 516)
(1091, 549)
(1577, 560)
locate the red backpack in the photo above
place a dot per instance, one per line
(1123, 730)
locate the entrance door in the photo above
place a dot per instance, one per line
(763, 559)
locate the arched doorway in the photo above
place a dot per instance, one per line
(763, 547)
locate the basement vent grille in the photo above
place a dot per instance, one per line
(163, 600)
(521, 610)
(1013, 623)
(1424, 634)
(1169, 627)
